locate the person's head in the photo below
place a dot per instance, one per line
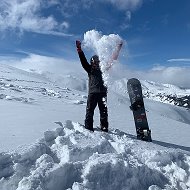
(94, 61)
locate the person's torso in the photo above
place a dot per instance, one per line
(96, 83)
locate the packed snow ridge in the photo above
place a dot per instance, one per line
(73, 158)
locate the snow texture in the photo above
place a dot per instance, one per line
(70, 157)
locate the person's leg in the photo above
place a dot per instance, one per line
(91, 105)
(102, 104)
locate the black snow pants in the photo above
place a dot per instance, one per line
(93, 100)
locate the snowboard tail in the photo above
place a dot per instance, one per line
(138, 109)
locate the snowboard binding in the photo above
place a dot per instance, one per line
(144, 134)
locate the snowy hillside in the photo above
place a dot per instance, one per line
(44, 146)
(165, 93)
(31, 102)
(71, 157)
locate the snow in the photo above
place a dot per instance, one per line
(43, 144)
(104, 46)
(165, 93)
(165, 88)
(154, 88)
(71, 157)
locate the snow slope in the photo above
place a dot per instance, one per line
(69, 157)
(30, 103)
(165, 93)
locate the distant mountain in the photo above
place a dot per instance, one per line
(165, 93)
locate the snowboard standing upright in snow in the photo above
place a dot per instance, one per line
(137, 106)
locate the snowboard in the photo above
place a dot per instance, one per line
(137, 106)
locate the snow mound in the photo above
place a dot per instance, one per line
(70, 157)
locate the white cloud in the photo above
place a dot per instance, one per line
(71, 7)
(178, 76)
(179, 60)
(55, 33)
(172, 75)
(128, 5)
(125, 24)
(66, 73)
(65, 25)
(128, 15)
(41, 63)
(25, 15)
(87, 3)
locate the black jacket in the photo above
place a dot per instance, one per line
(96, 83)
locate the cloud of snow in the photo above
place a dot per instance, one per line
(102, 45)
(26, 15)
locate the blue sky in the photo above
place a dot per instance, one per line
(157, 32)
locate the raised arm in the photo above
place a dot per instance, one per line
(82, 57)
(114, 55)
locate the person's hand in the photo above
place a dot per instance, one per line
(78, 45)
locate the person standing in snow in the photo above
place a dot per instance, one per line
(97, 92)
